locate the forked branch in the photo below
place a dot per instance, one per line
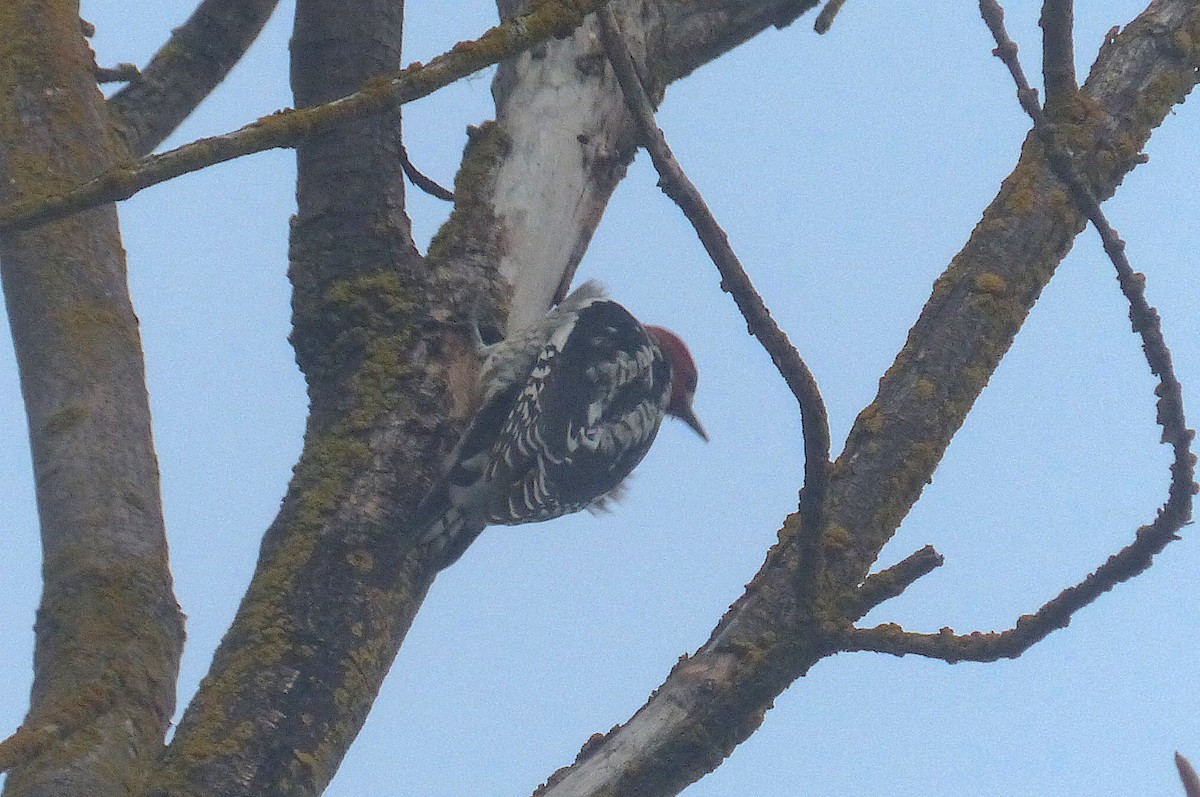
(715, 698)
(1177, 511)
(1172, 516)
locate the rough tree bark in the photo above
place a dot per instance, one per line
(390, 375)
(109, 633)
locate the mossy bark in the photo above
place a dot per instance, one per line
(109, 633)
(337, 585)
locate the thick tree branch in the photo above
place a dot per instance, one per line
(107, 619)
(289, 127)
(569, 141)
(55, 723)
(715, 698)
(295, 676)
(389, 384)
(186, 69)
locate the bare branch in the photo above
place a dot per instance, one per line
(734, 279)
(1191, 781)
(892, 581)
(287, 128)
(714, 699)
(1177, 511)
(944, 645)
(107, 613)
(121, 73)
(1030, 628)
(827, 15)
(418, 179)
(1058, 52)
(186, 69)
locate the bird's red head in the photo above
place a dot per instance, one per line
(683, 377)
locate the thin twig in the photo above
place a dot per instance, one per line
(1058, 53)
(676, 185)
(825, 18)
(892, 581)
(288, 127)
(1029, 629)
(418, 179)
(1177, 511)
(944, 645)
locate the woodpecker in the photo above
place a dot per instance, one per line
(569, 407)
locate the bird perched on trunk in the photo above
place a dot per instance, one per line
(569, 407)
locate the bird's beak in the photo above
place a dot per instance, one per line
(689, 417)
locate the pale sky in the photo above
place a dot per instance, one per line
(847, 169)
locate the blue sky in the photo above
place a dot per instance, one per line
(847, 170)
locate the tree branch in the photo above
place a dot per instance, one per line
(717, 697)
(734, 279)
(1058, 53)
(186, 69)
(550, 204)
(389, 384)
(827, 15)
(1030, 628)
(1187, 774)
(1175, 513)
(121, 73)
(54, 724)
(107, 614)
(289, 127)
(891, 582)
(418, 179)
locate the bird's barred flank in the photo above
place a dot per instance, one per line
(570, 406)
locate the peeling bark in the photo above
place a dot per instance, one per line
(572, 137)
